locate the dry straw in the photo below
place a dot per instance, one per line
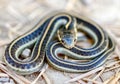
(82, 78)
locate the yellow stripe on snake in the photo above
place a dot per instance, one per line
(57, 34)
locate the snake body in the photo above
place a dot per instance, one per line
(41, 37)
(97, 54)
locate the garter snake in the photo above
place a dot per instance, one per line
(41, 37)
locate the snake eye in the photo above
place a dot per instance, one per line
(62, 41)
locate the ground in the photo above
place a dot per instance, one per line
(16, 18)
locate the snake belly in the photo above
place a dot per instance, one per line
(97, 54)
(40, 37)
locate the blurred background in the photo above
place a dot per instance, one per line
(19, 16)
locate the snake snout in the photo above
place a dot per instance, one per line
(68, 41)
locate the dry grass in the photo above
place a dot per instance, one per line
(17, 19)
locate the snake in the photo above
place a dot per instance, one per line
(57, 34)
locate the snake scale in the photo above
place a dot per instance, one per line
(57, 34)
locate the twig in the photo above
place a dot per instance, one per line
(98, 74)
(19, 79)
(42, 71)
(112, 57)
(111, 64)
(3, 75)
(107, 81)
(96, 82)
(46, 79)
(81, 82)
(112, 68)
(85, 74)
(114, 79)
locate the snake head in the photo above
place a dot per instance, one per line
(67, 37)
